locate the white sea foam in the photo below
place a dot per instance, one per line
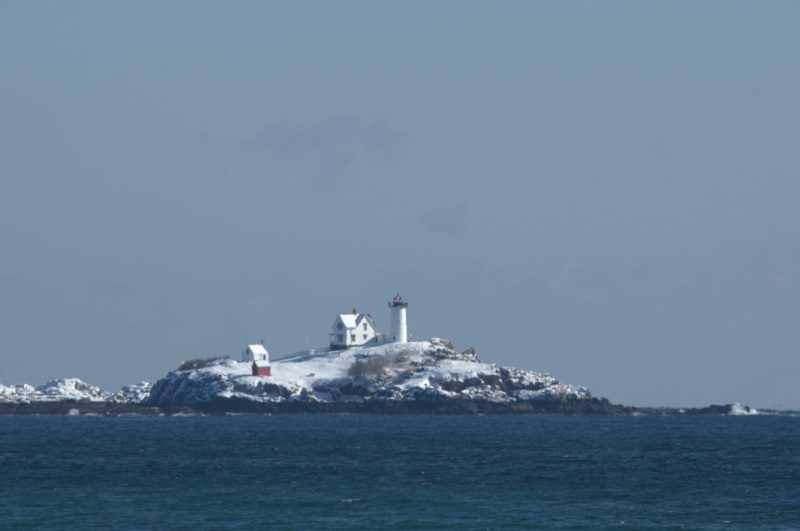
(739, 409)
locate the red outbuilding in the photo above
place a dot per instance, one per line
(261, 368)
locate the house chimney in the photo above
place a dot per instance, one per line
(355, 312)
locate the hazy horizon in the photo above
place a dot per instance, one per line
(604, 191)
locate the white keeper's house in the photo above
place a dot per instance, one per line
(352, 330)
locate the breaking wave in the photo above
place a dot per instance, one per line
(739, 409)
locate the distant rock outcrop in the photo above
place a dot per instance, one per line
(53, 391)
(70, 395)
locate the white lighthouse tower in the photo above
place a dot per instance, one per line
(399, 319)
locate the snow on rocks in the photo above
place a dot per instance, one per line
(53, 391)
(16, 393)
(423, 370)
(72, 390)
(133, 394)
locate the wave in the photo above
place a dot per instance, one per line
(739, 409)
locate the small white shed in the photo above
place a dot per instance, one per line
(255, 352)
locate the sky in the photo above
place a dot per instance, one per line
(608, 192)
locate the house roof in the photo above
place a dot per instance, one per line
(257, 349)
(354, 320)
(349, 319)
(261, 363)
(362, 317)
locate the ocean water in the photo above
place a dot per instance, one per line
(376, 471)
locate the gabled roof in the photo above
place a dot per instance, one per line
(367, 317)
(261, 363)
(349, 319)
(354, 320)
(258, 349)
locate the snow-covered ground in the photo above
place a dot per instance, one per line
(423, 370)
(408, 371)
(419, 371)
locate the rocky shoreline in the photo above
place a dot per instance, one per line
(594, 406)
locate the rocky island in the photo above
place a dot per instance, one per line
(362, 371)
(416, 377)
(423, 377)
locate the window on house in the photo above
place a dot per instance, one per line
(365, 326)
(365, 336)
(352, 337)
(340, 326)
(340, 337)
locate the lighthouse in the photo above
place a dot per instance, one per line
(399, 321)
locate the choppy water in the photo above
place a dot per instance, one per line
(370, 472)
